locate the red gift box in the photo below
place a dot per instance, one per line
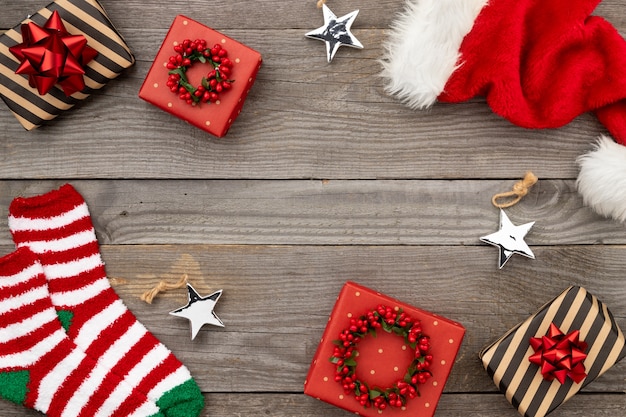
(383, 359)
(213, 117)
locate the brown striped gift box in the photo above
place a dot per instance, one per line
(80, 17)
(522, 382)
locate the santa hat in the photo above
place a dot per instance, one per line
(539, 63)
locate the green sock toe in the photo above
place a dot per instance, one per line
(65, 317)
(185, 400)
(14, 386)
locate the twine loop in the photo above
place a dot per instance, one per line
(149, 295)
(520, 189)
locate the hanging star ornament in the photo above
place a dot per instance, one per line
(199, 310)
(335, 32)
(510, 239)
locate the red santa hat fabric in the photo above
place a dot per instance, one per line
(539, 63)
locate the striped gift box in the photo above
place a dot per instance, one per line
(80, 17)
(506, 360)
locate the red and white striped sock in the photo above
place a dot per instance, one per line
(57, 227)
(40, 367)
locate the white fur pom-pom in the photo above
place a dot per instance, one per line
(602, 179)
(423, 48)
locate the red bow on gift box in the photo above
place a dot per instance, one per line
(50, 55)
(559, 355)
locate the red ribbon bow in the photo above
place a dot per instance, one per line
(50, 55)
(559, 355)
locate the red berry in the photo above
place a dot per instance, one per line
(224, 71)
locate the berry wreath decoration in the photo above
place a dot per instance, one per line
(216, 81)
(345, 353)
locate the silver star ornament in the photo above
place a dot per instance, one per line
(199, 310)
(510, 239)
(335, 32)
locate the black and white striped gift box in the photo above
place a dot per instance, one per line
(80, 17)
(506, 360)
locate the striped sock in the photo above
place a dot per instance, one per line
(58, 228)
(40, 367)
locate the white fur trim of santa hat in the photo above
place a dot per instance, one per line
(602, 179)
(423, 48)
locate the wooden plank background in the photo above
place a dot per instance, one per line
(322, 179)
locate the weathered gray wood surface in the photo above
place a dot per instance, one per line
(322, 179)
(451, 405)
(327, 212)
(310, 119)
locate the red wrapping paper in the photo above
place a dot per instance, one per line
(384, 358)
(215, 118)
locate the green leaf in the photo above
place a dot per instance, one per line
(374, 394)
(372, 332)
(180, 71)
(387, 327)
(333, 359)
(202, 59)
(195, 56)
(398, 330)
(187, 86)
(335, 342)
(412, 370)
(350, 362)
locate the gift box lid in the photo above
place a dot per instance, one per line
(507, 359)
(80, 17)
(384, 358)
(215, 118)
